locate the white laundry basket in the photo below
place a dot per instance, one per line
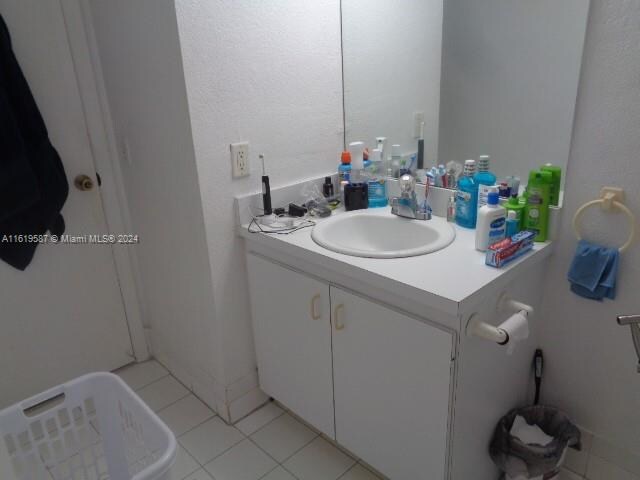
(92, 428)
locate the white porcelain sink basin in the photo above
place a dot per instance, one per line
(376, 235)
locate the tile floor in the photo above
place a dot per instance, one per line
(269, 444)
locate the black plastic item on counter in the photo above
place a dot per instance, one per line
(296, 210)
(356, 196)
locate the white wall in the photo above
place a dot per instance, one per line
(275, 82)
(142, 67)
(282, 92)
(510, 74)
(392, 58)
(591, 361)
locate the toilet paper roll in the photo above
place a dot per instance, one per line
(517, 327)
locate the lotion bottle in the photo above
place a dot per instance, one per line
(491, 224)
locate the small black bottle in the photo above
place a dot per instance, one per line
(327, 188)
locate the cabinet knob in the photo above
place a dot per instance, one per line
(338, 323)
(314, 302)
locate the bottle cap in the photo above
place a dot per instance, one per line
(469, 167)
(483, 163)
(512, 215)
(345, 157)
(395, 150)
(493, 198)
(513, 200)
(357, 155)
(375, 155)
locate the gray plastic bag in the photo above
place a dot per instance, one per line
(516, 458)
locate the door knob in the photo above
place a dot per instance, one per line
(83, 183)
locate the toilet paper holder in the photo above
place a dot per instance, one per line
(478, 328)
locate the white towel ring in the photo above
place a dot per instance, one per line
(607, 203)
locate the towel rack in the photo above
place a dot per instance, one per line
(610, 197)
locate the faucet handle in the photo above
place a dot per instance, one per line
(407, 183)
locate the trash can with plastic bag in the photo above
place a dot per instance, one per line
(531, 442)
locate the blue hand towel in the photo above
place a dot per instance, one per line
(593, 271)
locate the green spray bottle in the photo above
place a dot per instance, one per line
(556, 175)
(537, 209)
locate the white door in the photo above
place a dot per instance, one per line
(292, 332)
(64, 315)
(391, 385)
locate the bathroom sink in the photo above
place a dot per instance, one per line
(376, 235)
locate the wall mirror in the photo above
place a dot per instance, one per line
(484, 77)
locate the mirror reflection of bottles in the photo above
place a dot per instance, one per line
(376, 180)
(485, 180)
(537, 209)
(467, 197)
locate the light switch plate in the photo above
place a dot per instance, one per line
(240, 159)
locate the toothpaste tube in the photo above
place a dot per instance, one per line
(509, 249)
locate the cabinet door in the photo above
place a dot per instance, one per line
(292, 332)
(391, 385)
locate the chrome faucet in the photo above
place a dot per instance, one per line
(634, 322)
(406, 205)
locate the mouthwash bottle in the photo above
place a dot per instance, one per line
(537, 209)
(485, 180)
(376, 180)
(467, 197)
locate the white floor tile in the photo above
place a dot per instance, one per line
(576, 461)
(185, 414)
(618, 456)
(244, 461)
(259, 418)
(278, 474)
(139, 375)
(599, 469)
(199, 475)
(162, 393)
(569, 475)
(210, 439)
(184, 465)
(319, 461)
(283, 437)
(358, 472)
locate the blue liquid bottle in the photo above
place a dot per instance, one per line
(467, 197)
(485, 180)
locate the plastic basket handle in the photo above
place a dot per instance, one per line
(43, 402)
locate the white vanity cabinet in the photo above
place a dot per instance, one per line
(327, 355)
(292, 333)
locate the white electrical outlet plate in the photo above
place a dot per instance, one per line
(240, 159)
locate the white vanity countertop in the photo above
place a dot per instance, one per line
(444, 280)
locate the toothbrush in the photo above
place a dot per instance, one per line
(266, 189)
(420, 164)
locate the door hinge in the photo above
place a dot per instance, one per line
(99, 179)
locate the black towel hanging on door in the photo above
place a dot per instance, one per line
(33, 184)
